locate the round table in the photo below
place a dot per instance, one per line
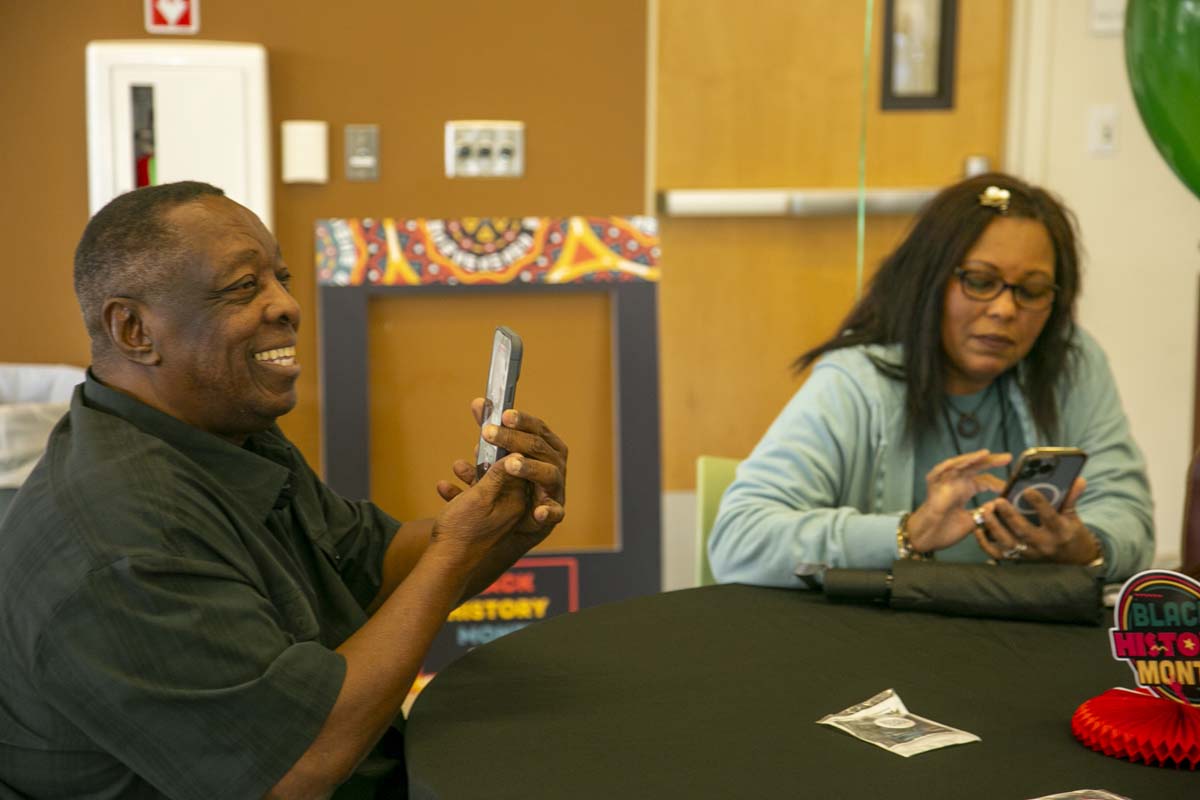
(715, 693)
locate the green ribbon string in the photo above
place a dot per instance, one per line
(862, 155)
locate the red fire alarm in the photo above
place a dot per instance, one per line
(172, 16)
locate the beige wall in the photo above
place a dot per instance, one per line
(1140, 228)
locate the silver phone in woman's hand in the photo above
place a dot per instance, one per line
(1050, 470)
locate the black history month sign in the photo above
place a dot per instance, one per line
(1156, 631)
(533, 589)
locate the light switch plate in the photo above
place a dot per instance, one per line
(481, 148)
(362, 152)
(1102, 130)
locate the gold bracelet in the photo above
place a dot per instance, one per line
(904, 548)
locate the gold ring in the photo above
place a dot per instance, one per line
(977, 517)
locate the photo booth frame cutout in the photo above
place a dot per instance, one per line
(361, 259)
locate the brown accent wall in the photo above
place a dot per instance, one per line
(574, 72)
(770, 97)
(429, 357)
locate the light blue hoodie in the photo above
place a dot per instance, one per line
(833, 474)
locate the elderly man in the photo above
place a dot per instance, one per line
(186, 610)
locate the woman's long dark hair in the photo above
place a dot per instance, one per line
(903, 303)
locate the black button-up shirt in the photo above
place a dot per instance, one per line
(169, 607)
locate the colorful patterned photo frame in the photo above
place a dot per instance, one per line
(357, 259)
(486, 251)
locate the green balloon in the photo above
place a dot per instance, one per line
(1162, 56)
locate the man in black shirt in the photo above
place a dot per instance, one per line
(186, 610)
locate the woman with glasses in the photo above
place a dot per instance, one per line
(963, 353)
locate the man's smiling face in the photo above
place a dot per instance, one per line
(226, 328)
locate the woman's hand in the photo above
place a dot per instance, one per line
(943, 519)
(1060, 538)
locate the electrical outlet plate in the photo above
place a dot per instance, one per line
(481, 148)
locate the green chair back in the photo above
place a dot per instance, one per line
(713, 475)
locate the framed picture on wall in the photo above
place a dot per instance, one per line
(918, 54)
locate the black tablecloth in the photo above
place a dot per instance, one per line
(715, 693)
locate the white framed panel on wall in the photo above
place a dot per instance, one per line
(167, 111)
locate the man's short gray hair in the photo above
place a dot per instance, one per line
(127, 250)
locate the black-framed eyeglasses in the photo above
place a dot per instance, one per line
(1034, 294)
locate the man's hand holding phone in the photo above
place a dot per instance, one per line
(519, 445)
(536, 455)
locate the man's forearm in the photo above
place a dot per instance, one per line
(405, 550)
(409, 544)
(382, 661)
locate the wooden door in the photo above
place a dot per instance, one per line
(768, 94)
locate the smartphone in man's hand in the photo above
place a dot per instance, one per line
(501, 392)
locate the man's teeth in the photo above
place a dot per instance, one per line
(284, 356)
